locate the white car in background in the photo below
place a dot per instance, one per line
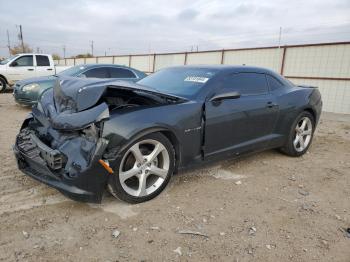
(22, 66)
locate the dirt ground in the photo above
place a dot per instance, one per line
(264, 207)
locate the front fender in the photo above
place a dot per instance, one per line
(123, 128)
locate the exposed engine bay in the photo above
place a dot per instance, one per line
(65, 129)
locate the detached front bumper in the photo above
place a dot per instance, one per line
(33, 159)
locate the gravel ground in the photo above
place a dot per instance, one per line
(264, 207)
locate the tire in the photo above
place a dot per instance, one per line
(143, 170)
(3, 85)
(294, 146)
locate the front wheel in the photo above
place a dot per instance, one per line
(300, 135)
(143, 170)
(3, 85)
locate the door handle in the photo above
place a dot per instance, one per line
(271, 104)
(30, 69)
(49, 69)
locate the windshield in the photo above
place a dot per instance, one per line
(184, 82)
(5, 61)
(72, 71)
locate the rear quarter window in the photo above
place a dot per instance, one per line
(274, 83)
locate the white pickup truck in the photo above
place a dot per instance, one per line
(22, 66)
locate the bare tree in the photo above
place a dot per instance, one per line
(56, 57)
(17, 49)
(87, 55)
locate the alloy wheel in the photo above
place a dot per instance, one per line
(144, 168)
(303, 134)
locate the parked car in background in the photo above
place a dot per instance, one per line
(22, 66)
(85, 135)
(27, 92)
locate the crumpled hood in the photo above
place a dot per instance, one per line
(37, 80)
(78, 94)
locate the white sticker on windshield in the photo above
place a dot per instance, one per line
(197, 79)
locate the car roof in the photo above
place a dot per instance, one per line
(229, 68)
(104, 65)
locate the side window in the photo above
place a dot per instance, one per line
(26, 60)
(121, 73)
(274, 83)
(100, 72)
(247, 83)
(42, 60)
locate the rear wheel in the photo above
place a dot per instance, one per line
(300, 136)
(143, 170)
(3, 84)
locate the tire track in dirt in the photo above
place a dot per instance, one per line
(18, 199)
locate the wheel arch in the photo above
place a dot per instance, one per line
(3, 77)
(312, 112)
(168, 133)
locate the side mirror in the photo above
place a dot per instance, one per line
(228, 95)
(14, 63)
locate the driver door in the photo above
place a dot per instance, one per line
(21, 68)
(234, 126)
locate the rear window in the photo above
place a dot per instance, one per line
(184, 82)
(42, 60)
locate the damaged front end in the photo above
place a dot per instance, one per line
(61, 146)
(61, 143)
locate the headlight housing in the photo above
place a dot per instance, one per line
(30, 87)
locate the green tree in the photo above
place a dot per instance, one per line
(18, 49)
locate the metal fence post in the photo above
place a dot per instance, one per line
(283, 59)
(154, 62)
(222, 56)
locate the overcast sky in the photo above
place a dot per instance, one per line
(127, 27)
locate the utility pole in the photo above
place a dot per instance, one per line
(21, 36)
(92, 47)
(64, 51)
(280, 37)
(8, 41)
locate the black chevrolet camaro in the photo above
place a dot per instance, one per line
(86, 135)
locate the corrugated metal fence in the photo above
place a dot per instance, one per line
(325, 65)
